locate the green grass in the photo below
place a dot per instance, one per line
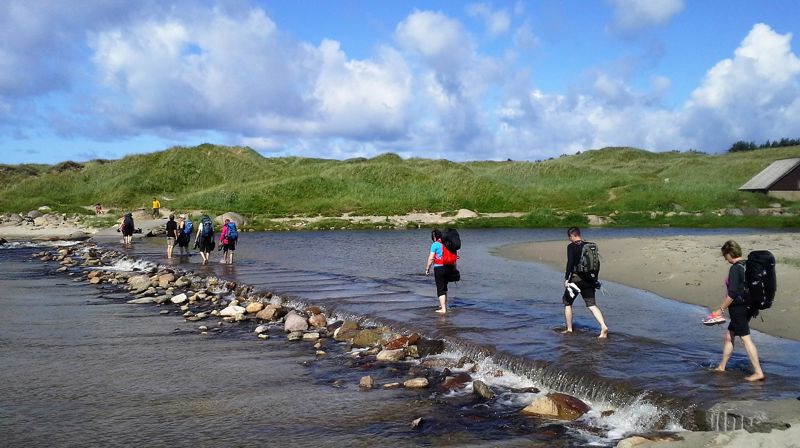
(790, 261)
(626, 183)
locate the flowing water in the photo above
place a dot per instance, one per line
(122, 367)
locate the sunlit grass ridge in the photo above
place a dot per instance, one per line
(218, 178)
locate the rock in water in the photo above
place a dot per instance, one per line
(480, 389)
(180, 298)
(557, 406)
(232, 311)
(366, 382)
(416, 383)
(391, 355)
(295, 322)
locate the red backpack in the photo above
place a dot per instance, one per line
(448, 258)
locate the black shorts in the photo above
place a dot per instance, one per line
(441, 274)
(740, 320)
(127, 231)
(587, 292)
(206, 244)
(230, 245)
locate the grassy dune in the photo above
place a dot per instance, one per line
(626, 183)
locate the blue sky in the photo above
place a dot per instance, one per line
(524, 80)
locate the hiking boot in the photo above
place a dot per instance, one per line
(714, 319)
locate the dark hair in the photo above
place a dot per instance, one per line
(436, 234)
(574, 231)
(731, 248)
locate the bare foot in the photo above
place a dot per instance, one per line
(719, 369)
(755, 377)
(566, 331)
(603, 334)
(441, 311)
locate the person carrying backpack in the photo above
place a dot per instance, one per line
(580, 277)
(444, 262)
(204, 240)
(172, 234)
(228, 237)
(127, 228)
(736, 302)
(184, 234)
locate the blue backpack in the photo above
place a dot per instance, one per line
(233, 234)
(187, 227)
(208, 228)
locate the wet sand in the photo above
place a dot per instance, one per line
(687, 268)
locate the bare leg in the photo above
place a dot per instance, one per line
(568, 318)
(169, 250)
(752, 353)
(442, 304)
(598, 315)
(230, 257)
(727, 350)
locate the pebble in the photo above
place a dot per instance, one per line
(163, 312)
(263, 336)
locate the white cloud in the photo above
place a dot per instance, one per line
(239, 74)
(634, 16)
(497, 22)
(749, 96)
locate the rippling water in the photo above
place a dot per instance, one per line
(504, 313)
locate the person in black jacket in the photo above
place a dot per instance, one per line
(579, 283)
(739, 313)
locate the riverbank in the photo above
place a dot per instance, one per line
(685, 268)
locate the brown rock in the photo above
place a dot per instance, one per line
(416, 383)
(557, 406)
(480, 389)
(312, 310)
(254, 307)
(413, 338)
(400, 342)
(318, 320)
(95, 280)
(271, 312)
(457, 381)
(366, 382)
(165, 279)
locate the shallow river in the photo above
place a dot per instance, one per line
(106, 372)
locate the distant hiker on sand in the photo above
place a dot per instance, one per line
(204, 240)
(444, 267)
(156, 208)
(738, 310)
(98, 210)
(184, 234)
(126, 227)
(172, 235)
(228, 237)
(581, 281)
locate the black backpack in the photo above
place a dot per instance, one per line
(451, 240)
(127, 221)
(760, 281)
(589, 262)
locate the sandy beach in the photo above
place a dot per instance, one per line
(686, 268)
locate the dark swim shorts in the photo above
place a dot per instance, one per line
(740, 320)
(587, 292)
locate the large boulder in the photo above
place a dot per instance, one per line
(165, 279)
(295, 322)
(233, 216)
(426, 347)
(370, 337)
(557, 406)
(347, 331)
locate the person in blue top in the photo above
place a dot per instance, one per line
(439, 272)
